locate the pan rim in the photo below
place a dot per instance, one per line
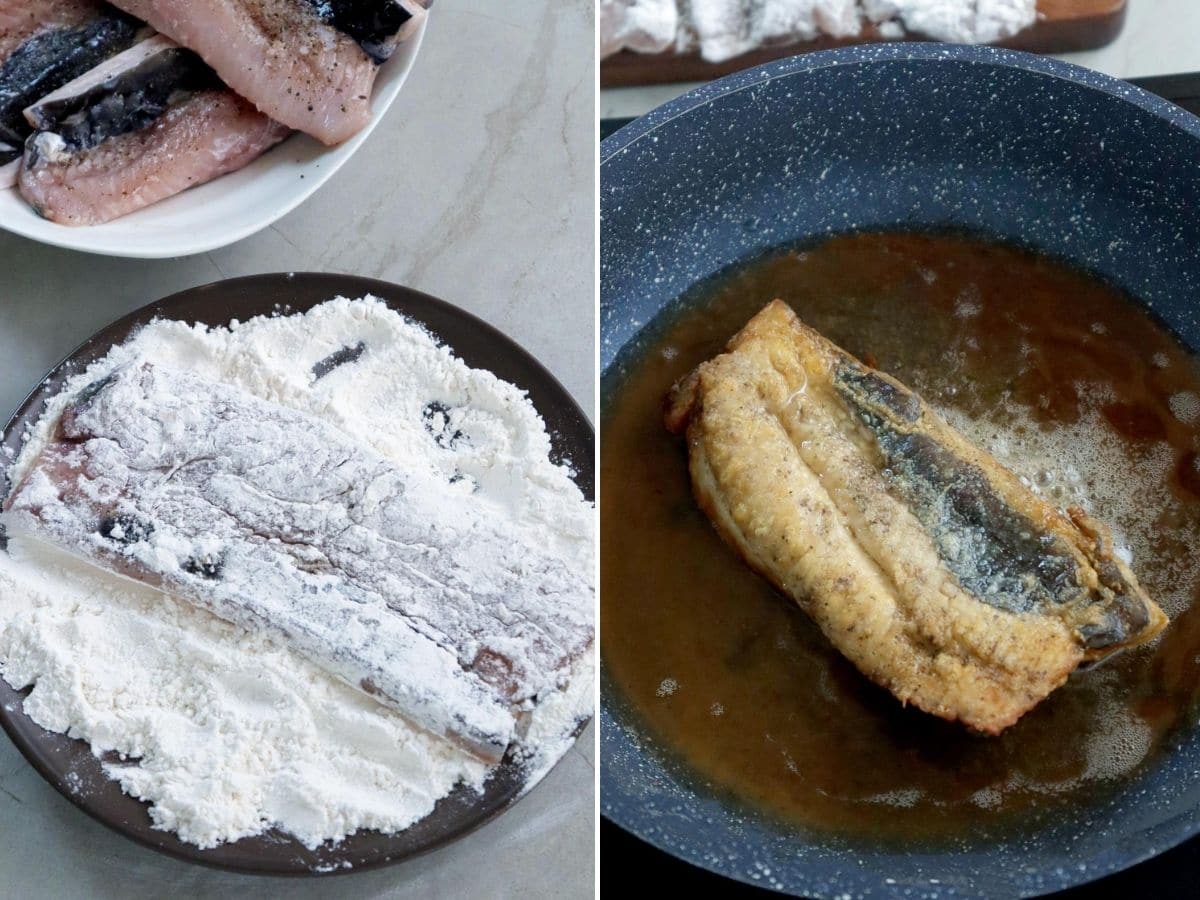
(914, 51)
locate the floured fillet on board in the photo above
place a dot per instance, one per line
(925, 562)
(272, 519)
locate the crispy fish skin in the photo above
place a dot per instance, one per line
(923, 560)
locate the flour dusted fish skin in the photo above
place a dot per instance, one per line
(274, 520)
(923, 560)
(51, 58)
(143, 126)
(337, 359)
(290, 58)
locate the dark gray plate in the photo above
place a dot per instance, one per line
(1003, 144)
(69, 764)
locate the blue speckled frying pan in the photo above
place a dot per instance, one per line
(1025, 149)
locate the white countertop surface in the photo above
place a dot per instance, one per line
(1161, 37)
(477, 188)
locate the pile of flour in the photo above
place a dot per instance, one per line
(723, 29)
(225, 732)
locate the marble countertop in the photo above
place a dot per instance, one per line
(476, 188)
(1161, 37)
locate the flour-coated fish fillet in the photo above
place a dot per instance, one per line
(275, 520)
(310, 64)
(924, 561)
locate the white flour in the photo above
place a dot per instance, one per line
(233, 734)
(954, 21)
(723, 29)
(647, 26)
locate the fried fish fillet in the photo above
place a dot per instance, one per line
(924, 561)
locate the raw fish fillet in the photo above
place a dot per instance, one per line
(145, 125)
(310, 64)
(274, 520)
(44, 46)
(21, 19)
(925, 562)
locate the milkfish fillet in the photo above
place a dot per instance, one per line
(275, 520)
(22, 19)
(924, 561)
(42, 47)
(144, 126)
(310, 64)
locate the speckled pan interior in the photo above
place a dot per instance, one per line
(912, 136)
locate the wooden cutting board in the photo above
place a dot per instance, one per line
(1063, 26)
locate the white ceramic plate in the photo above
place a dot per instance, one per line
(225, 210)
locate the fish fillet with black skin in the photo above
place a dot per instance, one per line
(310, 64)
(924, 561)
(141, 127)
(44, 45)
(281, 523)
